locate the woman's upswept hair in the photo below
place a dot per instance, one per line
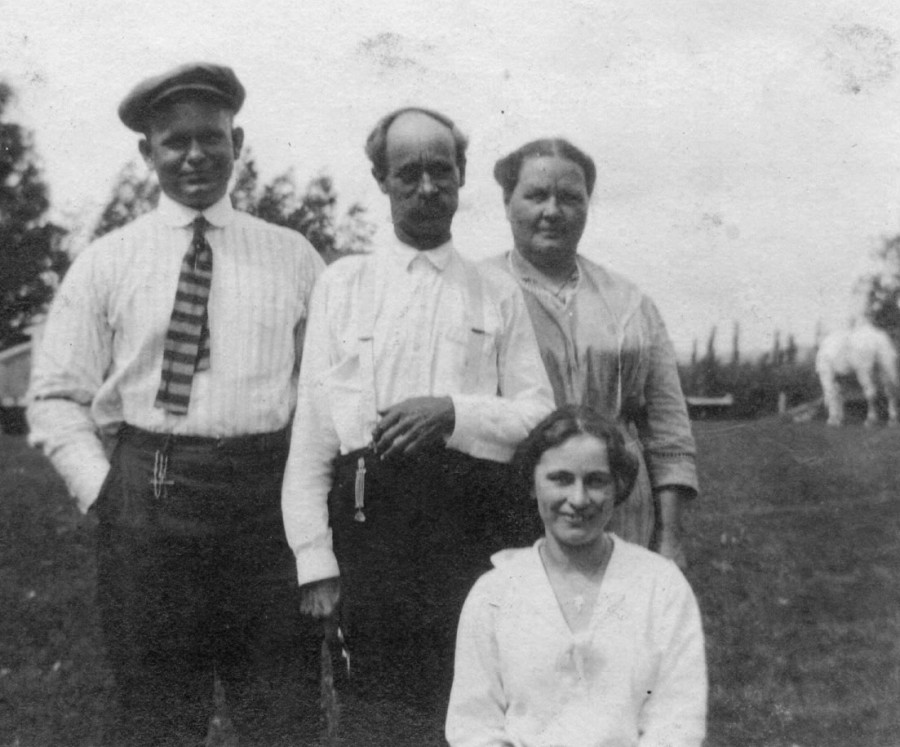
(508, 168)
(565, 423)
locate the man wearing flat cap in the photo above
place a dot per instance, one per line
(180, 335)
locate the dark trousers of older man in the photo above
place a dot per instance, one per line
(430, 526)
(197, 582)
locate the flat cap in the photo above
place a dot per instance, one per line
(205, 78)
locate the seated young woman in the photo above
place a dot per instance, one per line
(583, 639)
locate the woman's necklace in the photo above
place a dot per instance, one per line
(530, 275)
(569, 282)
(576, 592)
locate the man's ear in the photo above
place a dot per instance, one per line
(237, 140)
(382, 182)
(144, 148)
(462, 175)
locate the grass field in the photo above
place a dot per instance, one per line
(795, 556)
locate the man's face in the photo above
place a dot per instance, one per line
(192, 147)
(422, 179)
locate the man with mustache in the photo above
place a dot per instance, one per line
(180, 335)
(420, 375)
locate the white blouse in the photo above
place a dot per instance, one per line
(635, 676)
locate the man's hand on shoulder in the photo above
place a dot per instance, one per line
(413, 424)
(320, 598)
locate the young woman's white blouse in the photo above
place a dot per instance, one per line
(635, 676)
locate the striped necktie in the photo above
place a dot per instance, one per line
(187, 341)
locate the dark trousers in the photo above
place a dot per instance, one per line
(196, 580)
(431, 525)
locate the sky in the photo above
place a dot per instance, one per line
(748, 151)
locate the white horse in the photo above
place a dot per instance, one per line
(867, 352)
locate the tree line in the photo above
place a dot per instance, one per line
(756, 383)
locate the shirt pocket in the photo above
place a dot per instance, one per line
(474, 350)
(258, 299)
(342, 388)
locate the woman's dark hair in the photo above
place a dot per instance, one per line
(508, 168)
(559, 427)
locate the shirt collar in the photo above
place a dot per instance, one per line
(175, 214)
(405, 255)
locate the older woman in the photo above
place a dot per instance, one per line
(603, 342)
(583, 639)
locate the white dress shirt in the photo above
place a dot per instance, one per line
(100, 359)
(421, 342)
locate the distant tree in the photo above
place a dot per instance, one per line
(690, 373)
(777, 352)
(881, 289)
(31, 256)
(354, 232)
(312, 212)
(243, 196)
(709, 378)
(790, 350)
(133, 194)
(710, 357)
(736, 344)
(818, 334)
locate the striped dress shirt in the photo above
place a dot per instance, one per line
(101, 355)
